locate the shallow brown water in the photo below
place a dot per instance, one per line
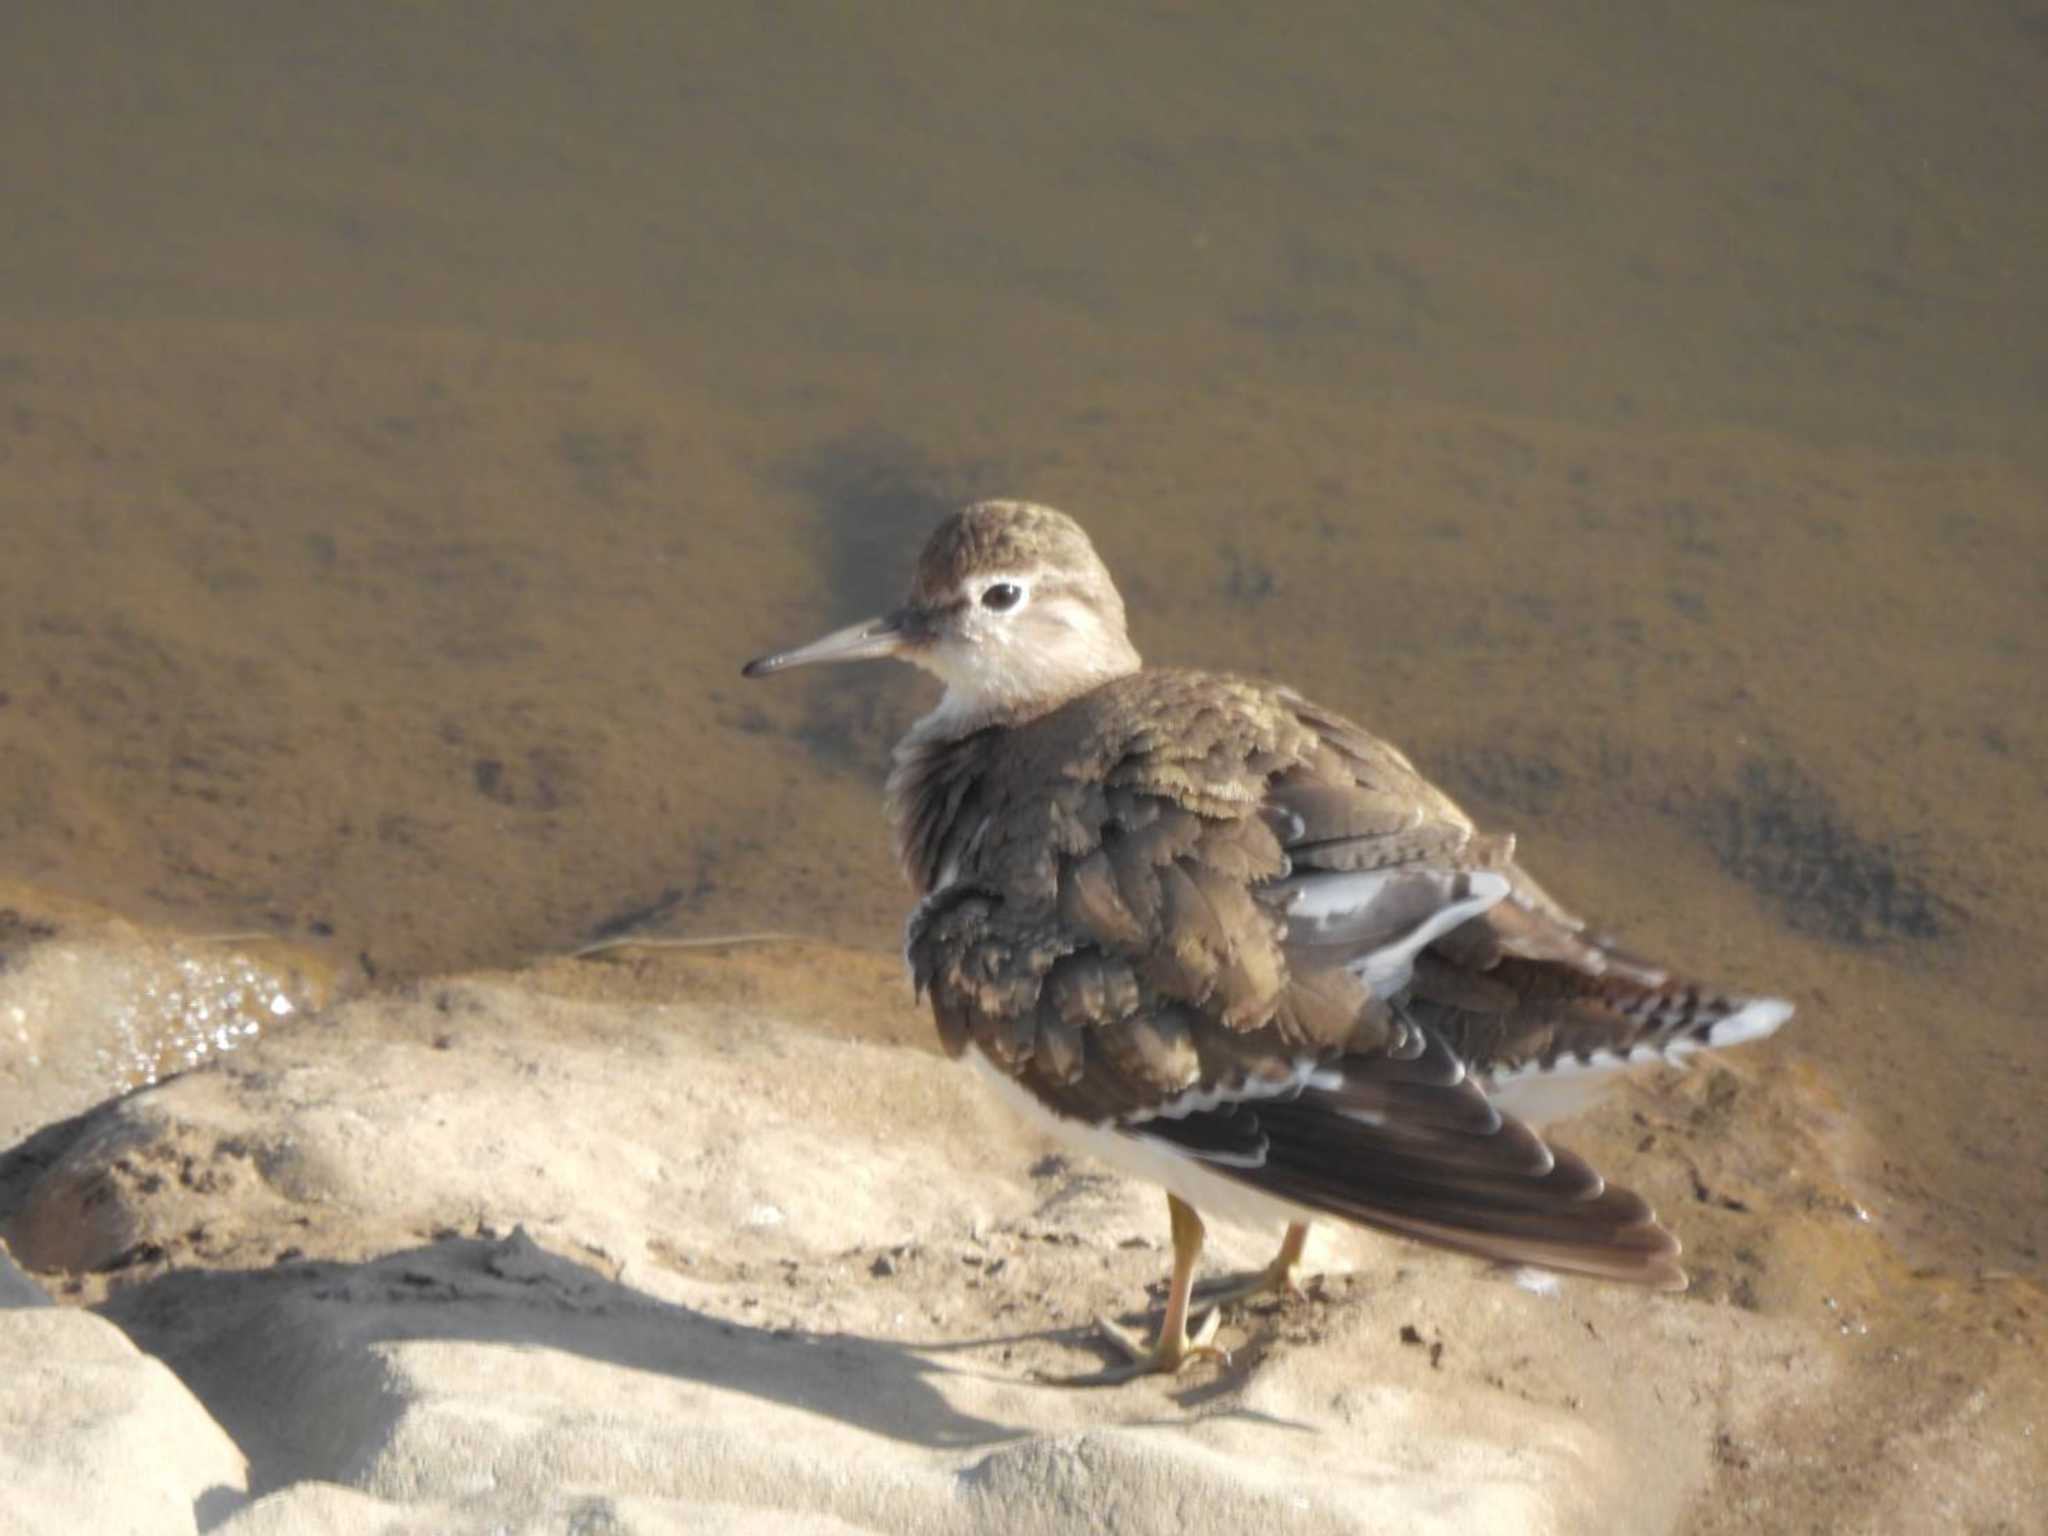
(410, 416)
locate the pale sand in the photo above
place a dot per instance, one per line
(714, 1241)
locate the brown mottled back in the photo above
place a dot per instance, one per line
(1237, 932)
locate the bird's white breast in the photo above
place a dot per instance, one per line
(1211, 1193)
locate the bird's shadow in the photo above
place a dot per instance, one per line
(287, 1360)
(1199, 1390)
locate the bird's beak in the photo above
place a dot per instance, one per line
(885, 636)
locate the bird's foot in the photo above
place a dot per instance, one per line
(1280, 1278)
(1166, 1357)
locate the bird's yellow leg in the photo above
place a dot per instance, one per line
(1282, 1277)
(1174, 1347)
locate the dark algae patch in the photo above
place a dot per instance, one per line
(1522, 783)
(875, 496)
(1247, 580)
(1785, 836)
(850, 725)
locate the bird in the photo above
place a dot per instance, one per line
(1234, 944)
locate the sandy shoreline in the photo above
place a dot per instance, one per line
(714, 1240)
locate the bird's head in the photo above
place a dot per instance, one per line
(1010, 608)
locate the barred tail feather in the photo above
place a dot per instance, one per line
(1366, 1142)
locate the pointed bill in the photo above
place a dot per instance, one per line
(865, 641)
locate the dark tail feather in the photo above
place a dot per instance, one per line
(1440, 1163)
(1525, 987)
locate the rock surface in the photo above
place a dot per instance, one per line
(712, 1245)
(96, 1436)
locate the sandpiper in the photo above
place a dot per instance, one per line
(1226, 940)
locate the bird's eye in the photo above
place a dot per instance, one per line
(1002, 596)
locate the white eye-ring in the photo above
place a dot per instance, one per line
(1002, 596)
